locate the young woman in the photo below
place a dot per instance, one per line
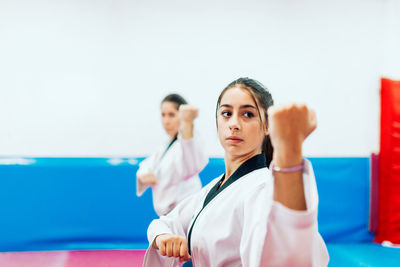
(252, 215)
(172, 172)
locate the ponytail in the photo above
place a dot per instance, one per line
(268, 150)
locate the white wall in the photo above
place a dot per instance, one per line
(391, 39)
(85, 78)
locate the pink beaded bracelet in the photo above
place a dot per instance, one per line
(291, 169)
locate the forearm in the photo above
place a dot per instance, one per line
(289, 186)
(193, 158)
(296, 231)
(145, 167)
(186, 130)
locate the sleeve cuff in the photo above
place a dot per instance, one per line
(300, 219)
(156, 229)
(140, 188)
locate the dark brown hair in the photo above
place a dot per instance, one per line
(261, 97)
(176, 99)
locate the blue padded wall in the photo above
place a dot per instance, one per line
(343, 187)
(72, 204)
(90, 203)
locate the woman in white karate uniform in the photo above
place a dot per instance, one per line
(252, 215)
(172, 172)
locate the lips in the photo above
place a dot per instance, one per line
(234, 139)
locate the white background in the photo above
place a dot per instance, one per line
(85, 77)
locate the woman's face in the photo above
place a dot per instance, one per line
(240, 130)
(170, 118)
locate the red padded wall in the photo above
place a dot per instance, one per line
(389, 163)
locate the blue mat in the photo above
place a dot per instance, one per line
(362, 254)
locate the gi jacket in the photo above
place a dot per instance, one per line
(176, 167)
(242, 225)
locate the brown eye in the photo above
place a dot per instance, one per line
(248, 114)
(225, 114)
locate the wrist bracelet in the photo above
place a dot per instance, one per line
(291, 169)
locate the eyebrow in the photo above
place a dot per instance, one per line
(242, 106)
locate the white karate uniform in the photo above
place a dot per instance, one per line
(176, 171)
(244, 226)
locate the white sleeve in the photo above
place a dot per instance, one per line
(291, 237)
(176, 222)
(145, 167)
(193, 156)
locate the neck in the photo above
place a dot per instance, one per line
(172, 137)
(232, 163)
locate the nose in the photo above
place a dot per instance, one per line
(166, 121)
(234, 124)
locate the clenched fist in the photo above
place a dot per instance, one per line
(148, 179)
(288, 126)
(173, 246)
(188, 113)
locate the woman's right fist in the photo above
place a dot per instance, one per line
(188, 113)
(173, 246)
(148, 179)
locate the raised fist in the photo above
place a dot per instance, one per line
(188, 113)
(290, 124)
